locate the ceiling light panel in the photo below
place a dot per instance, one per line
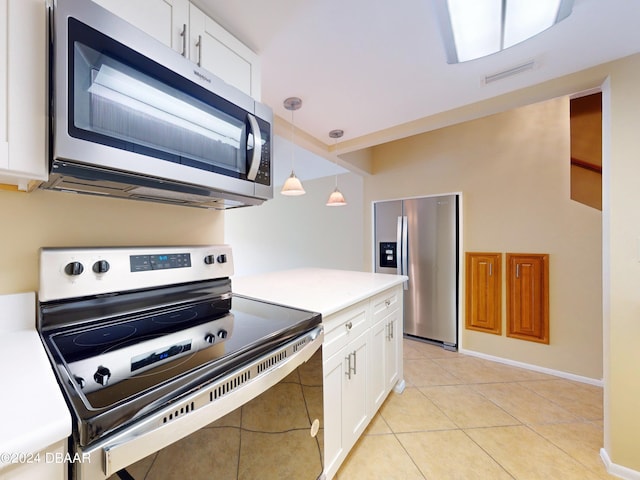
(476, 28)
(526, 18)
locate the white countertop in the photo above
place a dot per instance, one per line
(35, 414)
(320, 290)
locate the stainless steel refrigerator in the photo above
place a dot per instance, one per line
(418, 237)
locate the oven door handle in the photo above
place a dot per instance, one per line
(149, 436)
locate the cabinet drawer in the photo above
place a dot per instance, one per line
(344, 326)
(385, 303)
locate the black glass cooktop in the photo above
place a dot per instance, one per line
(95, 340)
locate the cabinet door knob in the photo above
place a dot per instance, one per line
(348, 325)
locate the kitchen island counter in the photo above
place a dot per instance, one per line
(362, 345)
(320, 290)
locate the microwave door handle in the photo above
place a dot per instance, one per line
(257, 148)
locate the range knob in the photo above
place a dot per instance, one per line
(210, 259)
(101, 266)
(102, 375)
(222, 334)
(209, 338)
(73, 268)
(80, 381)
(222, 258)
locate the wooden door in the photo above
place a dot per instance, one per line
(484, 292)
(528, 297)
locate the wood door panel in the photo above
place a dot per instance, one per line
(528, 297)
(484, 292)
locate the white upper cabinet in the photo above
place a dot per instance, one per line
(4, 142)
(165, 20)
(23, 93)
(216, 50)
(190, 32)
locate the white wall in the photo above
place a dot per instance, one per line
(297, 232)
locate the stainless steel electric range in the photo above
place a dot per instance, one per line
(150, 344)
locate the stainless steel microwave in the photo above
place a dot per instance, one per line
(130, 117)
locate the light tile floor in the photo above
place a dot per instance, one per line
(466, 418)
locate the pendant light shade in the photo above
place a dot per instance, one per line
(336, 199)
(292, 186)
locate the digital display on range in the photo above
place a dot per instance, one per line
(144, 263)
(147, 359)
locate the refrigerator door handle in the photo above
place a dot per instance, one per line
(405, 250)
(399, 247)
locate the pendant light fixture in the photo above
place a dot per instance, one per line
(336, 199)
(292, 186)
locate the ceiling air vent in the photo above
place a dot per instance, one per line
(494, 77)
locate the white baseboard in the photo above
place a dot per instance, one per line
(618, 470)
(535, 368)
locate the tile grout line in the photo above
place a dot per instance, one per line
(561, 449)
(580, 419)
(489, 454)
(395, 435)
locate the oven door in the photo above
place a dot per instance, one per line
(126, 103)
(191, 413)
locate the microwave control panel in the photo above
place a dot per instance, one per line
(264, 170)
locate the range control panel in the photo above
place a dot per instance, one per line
(79, 272)
(143, 263)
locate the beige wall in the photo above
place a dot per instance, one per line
(621, 222)
(620, 226)
(513, 171)
(53, 219)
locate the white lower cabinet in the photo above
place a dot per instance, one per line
(334, 448)
(49, 464)
(378, 384)
(362, 354)
(385, 339)
(393, 350)
(346, 412)
(354, 387)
